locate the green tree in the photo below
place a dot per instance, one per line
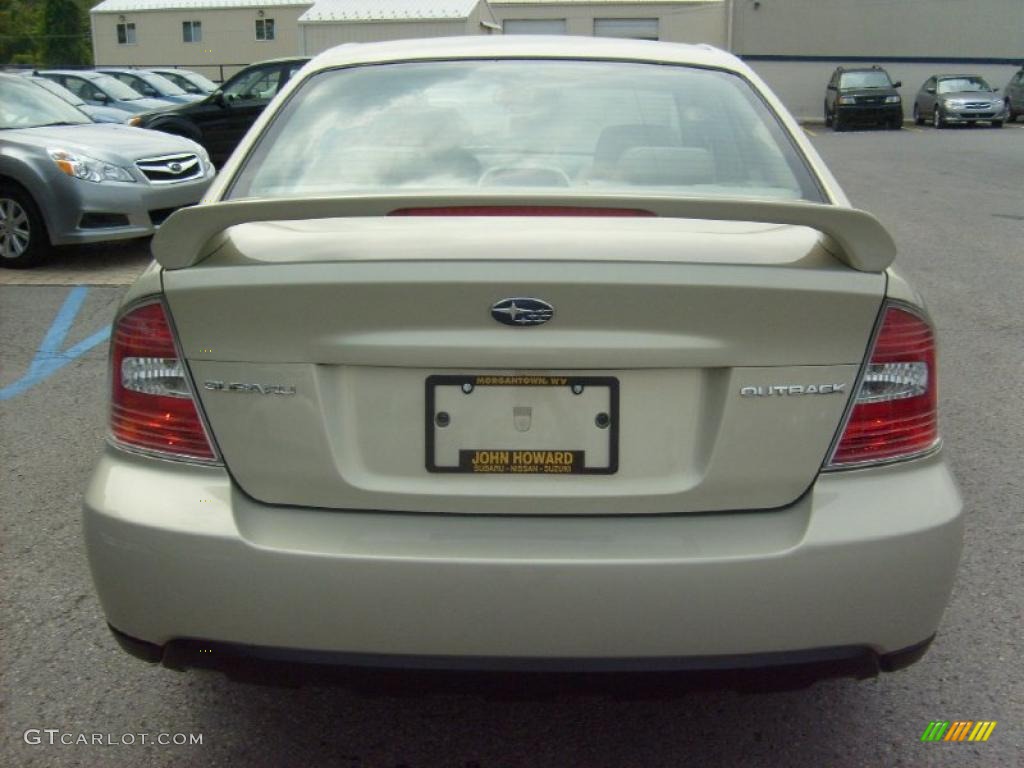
(19, 20)
(62, 35)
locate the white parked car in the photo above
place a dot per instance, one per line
(524, 353)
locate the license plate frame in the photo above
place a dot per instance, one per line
(578, 463)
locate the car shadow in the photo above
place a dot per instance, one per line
(442, 719)
(111, 263)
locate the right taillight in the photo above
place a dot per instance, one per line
(152, 407)
(895, 414)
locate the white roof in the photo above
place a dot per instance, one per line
(389, 10)
(127, 6)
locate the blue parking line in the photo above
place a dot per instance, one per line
(49, 358)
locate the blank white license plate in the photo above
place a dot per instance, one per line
(522, 424)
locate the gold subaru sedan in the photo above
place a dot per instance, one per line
(524, 353)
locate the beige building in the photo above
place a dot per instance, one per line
(333, 22)
(678, 21)
(214, 37)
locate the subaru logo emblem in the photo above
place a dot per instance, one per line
(522, 311)
(175, 167)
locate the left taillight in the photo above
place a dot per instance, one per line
(152, 404)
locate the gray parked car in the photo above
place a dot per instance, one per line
(958, 99)
(65, 180)
(96, 114)
(152, 85)
(103, 90)
(1014, 96)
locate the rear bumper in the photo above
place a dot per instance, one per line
(287, 665)
(861, 566)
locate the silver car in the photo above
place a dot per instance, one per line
(102, 90)
(152, 85)
(958, 100)
(524, 353)
(96, 114)
(66, 180)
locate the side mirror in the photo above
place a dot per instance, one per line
(831, 87)
(101, 97)
(220, 99)
(995, 90)
(898, 84)
(930, 89)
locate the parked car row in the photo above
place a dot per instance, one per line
(208, 121)
(78, 166)
(67, 180)
(220, 120)
(174, 101)
(868, 96)
(113, 95)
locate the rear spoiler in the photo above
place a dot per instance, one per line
(858, 239)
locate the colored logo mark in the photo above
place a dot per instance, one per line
(958, 730)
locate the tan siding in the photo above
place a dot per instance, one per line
(937, 28)
(677, 23)
(229, 37)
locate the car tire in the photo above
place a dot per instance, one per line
(828, 118)
(837, 122)
(23, 239)
(895, 124)
(1011, 116)
(937, 121)
(997, 123)
(918, 120)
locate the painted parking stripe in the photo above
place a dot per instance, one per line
(49, 358)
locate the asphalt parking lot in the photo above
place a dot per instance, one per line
(954, 201)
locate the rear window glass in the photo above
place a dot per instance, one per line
(529, 125)
(966, 83)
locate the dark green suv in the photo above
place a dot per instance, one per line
(219, 121)
(863, 96)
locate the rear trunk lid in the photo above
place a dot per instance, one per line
(332, 358)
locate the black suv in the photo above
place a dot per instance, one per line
(219, 121)
(863, 96)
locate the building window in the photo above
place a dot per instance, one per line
(635, 29)
(264, 29)
(533, 26)
(192, 31)
(126, 34)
